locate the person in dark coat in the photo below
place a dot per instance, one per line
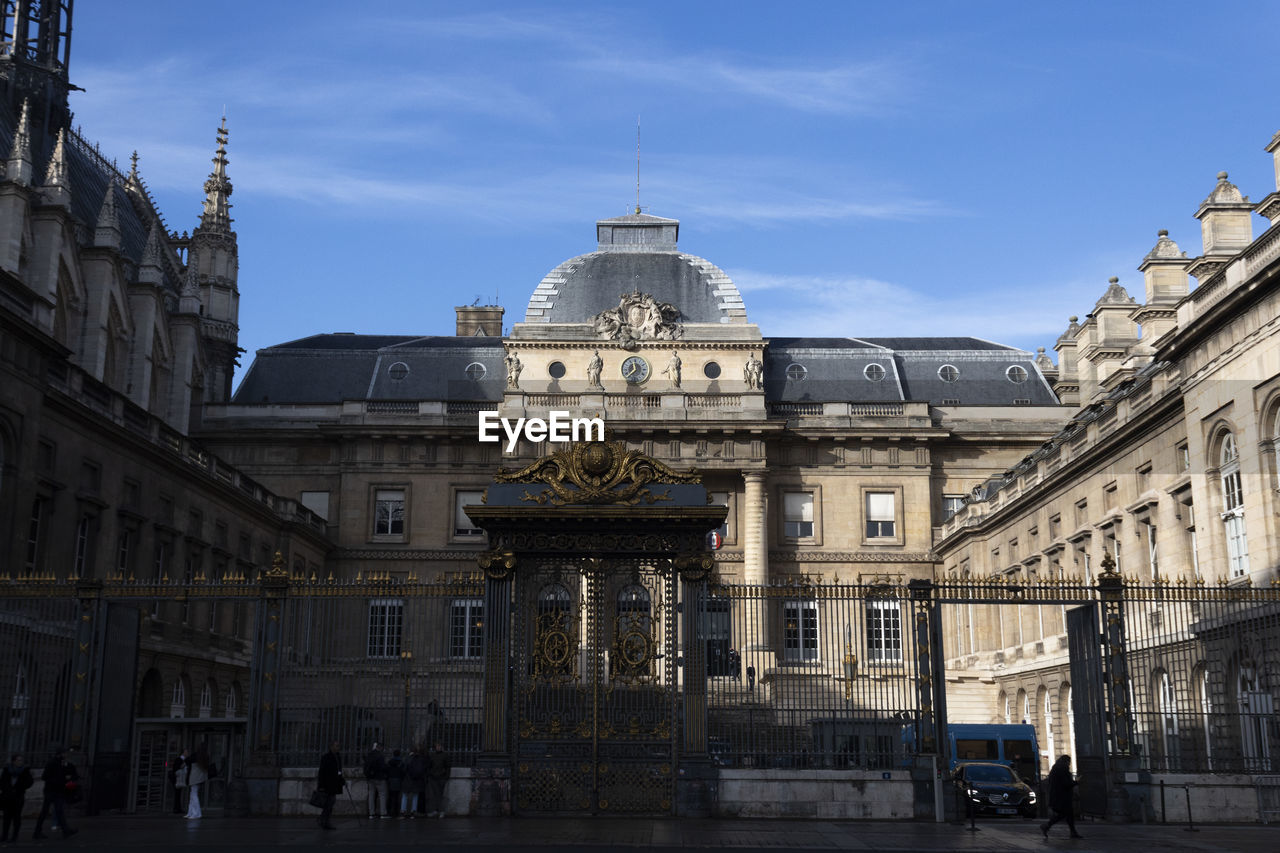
(15, 779)
(57, 773)
(331, 782)
(438, 769)
(1061, 796)
(375, 772)
(395, 781)
(415, 783)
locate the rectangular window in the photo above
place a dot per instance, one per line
(123, 553)
(317, 502)
(800, 630)
(717, 631)
(466, 628)
(386, 624)
(1055, 526)
(462, 524)
(884, 629)
(797, 515)
(388, 512)
(1153, 552)
(722, 499)
(34, 530)
(880, 517)
(951, 504)
(82, 547)
(162, 560)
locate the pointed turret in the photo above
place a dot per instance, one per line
(217, 189)
(213, 268)
(57, 184)
(106, 233)
(150, 269)
(19, 166)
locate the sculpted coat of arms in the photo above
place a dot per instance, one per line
(638, 317)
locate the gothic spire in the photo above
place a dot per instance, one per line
(20, 166)
(57, 188)
(217, 189)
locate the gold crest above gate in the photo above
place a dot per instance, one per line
(603, 472)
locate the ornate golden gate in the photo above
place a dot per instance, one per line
(595, 546)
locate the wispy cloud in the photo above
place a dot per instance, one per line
(814, 305)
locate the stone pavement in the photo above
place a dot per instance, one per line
(581, 835)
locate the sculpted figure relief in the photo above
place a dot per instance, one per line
(638, 317)
(513, 369)
(593, 370)
(673, 369)
(753, 373)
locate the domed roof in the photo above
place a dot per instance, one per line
(636, 253)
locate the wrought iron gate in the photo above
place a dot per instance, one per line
(594, 687)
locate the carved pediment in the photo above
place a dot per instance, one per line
(638, 317)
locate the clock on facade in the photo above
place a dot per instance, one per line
(635, 370)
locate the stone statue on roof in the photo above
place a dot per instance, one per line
(638, 317)
(593, 370)
(753, 373)
(513, 369)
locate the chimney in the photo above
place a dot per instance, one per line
(479, 321)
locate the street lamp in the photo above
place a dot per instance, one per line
(406, 667)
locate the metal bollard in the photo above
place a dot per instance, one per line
(1164, 817)
(1191, 823)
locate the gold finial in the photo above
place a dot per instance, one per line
(277, 566)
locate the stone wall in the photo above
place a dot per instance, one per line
(297, 783)
(822, 794)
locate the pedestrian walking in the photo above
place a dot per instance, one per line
(1061, 796)
(197, 774)
(375, 773)
(438, 769)
(415, 783)
(15, 779)
(178, 780)
(330, 781)
(395, 782)
(58, 773)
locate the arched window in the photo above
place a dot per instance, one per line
(1206, 714)
(1007, 709)
(178, 703)
(232, 704)
(206, 700)
(1024, 706)
(1233, 508)
(556, 640)
(1050, 749)
(1257, 709)
(1168, 705)
(633, 637)
(1071, 724)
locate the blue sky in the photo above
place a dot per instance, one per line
(857, 169)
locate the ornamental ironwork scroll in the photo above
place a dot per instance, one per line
(599, 473)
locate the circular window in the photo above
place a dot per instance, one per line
(475, 371)
(556, 369)
(874, 372)
(398, 371)
(797, 371)
(948, 373)
(711, 370)
(1017, 374)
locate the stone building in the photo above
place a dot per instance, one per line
(1169, 467)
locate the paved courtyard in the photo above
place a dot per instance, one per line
(247, 835)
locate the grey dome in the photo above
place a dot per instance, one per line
(636, 253)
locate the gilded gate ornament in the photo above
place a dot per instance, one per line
(603, 472)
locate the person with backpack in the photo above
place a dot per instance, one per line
(58, 774)
(395, 782)
(375, 773)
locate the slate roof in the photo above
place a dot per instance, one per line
(88, 173)
(336, 367)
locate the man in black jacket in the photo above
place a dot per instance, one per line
(1061, 796)
(57, 773)
(331, 782)
(375, 773)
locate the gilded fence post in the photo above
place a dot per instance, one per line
(261, 774)
(88, 609)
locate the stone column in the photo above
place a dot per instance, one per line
(755, 534)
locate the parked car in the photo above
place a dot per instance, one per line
(990, 788)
